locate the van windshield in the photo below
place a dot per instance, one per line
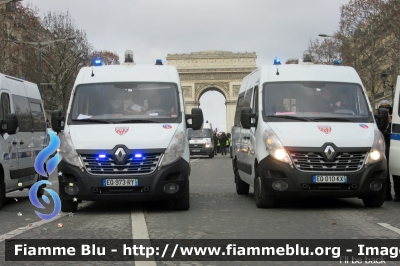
(126, 102)
(202, 133)
(315, 101)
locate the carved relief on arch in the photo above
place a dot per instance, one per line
(201, 87)
(187, 91)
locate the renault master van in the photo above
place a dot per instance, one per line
(307, 131)
(201, 141)
(394, 153)
(23, 134)
(123, 137)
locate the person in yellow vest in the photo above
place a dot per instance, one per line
(216, 143)
(228, 142)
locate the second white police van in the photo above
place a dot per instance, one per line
(124, 137)
(308, 130)
(394, 155)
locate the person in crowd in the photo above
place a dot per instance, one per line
(386, 134)
(216, 143)
(228, 142)
(223, 139)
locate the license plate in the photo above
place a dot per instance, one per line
(120, 182)
(329, 179)
(195, 150)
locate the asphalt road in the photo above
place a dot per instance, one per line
(216, 212)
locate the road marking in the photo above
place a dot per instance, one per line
(194, 160)
(39, 223)
(388, 226)
(139, 231)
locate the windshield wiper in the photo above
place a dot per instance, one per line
(289, 117)
(94, 120)
(135, 121)
(332, 119)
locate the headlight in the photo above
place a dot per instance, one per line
(378, 148)
(275, 148)
(67, 150)
(174, 150)
(207, 145)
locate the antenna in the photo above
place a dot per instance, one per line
(277, 72)
(92, 72)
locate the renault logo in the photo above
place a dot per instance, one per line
(120, 154)
(329, 152)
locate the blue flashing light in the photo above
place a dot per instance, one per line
(336, 62)
(277, 61)
(138, 155)
(102, 156)
(97, 62)
(159, 62)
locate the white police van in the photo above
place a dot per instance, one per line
(124, 137)
(201, 141)
(23, 134)
(307, 130)
(394, 155)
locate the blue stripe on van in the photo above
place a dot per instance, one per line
(394, 136)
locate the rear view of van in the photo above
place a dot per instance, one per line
(23, 134)
(307, 131)
(124, 137)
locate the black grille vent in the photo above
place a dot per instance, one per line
(107, 166)
(315, 162)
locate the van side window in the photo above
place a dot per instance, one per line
(39, 123)
(239, 109)
(5, 106)
(254, 104)
(247, 98)
(23, 112)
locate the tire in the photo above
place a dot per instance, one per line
(68, 206)
(2, 192)
(261, 198)
(211, 155)
(374, 202)
(183, 204)
(242, 188)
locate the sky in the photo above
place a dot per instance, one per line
(152, 29)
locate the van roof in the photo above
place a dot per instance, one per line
(299, 72)
(127, 73)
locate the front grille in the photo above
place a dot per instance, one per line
(315, 162)
(133, 166)
(196, 145)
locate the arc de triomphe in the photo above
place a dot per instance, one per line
(222, 71)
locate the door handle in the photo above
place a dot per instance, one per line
(21, 142)
(14, 142)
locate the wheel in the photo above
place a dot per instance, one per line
(68, 205)
(211, 155)
(182, 204)
(2, 191)
(261, 198)
(374, 202)
(242, 188)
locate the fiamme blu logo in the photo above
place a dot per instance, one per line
(44, 166)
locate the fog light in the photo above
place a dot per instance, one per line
(71, 190)
(171, 188)
(280, 185)
(376, 185)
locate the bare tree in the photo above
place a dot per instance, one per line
(324, 52)
(62, 61)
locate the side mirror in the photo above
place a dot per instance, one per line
(10, 124)
(382, 119)
(245, 118)
(197, 119)
(57, 121)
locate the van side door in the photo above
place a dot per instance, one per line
(26, 172)
(394, 153)
(9, 158)
(235, 141)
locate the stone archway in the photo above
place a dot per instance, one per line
(223, 71)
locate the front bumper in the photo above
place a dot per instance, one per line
(300, 183)
(150, 186)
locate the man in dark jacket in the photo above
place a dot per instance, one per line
(222, 141)
(215, 139)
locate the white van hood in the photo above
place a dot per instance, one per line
(133, 136)
(316, 134)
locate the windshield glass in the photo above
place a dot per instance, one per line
(202, 133)
(127, 101)
(315, 101)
